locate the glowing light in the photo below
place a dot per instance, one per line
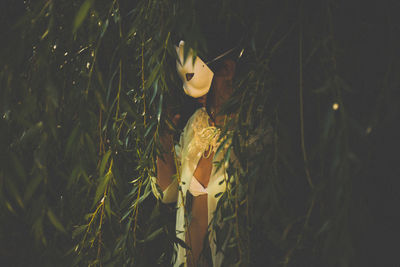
(335, 106)
(54, 47)
(66, 53)
(88, 65)
(241, 53)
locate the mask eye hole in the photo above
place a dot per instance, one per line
(189, 76)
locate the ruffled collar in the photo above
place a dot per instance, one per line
(206, 137)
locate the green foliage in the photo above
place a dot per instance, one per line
(86, 86)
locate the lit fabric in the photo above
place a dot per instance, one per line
(196, 189)
(193, 143)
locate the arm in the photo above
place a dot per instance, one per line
(166, 167)
(165, 164)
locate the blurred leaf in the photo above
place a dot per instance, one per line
(20, 170)
(100, 100)
(37, 228)
(55, 221)
(78, 230)
(31, 133)
(9, 207)
(71, 140)
(153, 235)
(15, 192)
(104, 28)
(81, 15)
(31, 187)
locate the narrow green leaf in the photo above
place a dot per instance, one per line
(15, 193)
(132, 32)
(81, 15)
(44, 34)
(159, 107)
(9, 207)
(218, 194)
(78, 230)
(104, 28)
(37, 229)
(149, 128)
(104, 163)
(153, 235)
(100, 100)
(181, 242)
(55, 221)
(155, 90)
(229, 217)
(126, 215)
(31, 133)
(31, 187)
(102, 187)
(71, 140)
(107, 206)
(19, 168)
(153, 75)
(90, 146)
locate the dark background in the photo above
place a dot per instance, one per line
(85, 91)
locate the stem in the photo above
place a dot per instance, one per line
(303, 147)
(136, 212)
(119, 88)
(310, 208)
(143, 83)
(101, 143)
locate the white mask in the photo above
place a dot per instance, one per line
(196, 77)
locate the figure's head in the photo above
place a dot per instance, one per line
(194, 73)
(207, 60)
(198, 76)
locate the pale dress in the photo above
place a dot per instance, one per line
(197, 137)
